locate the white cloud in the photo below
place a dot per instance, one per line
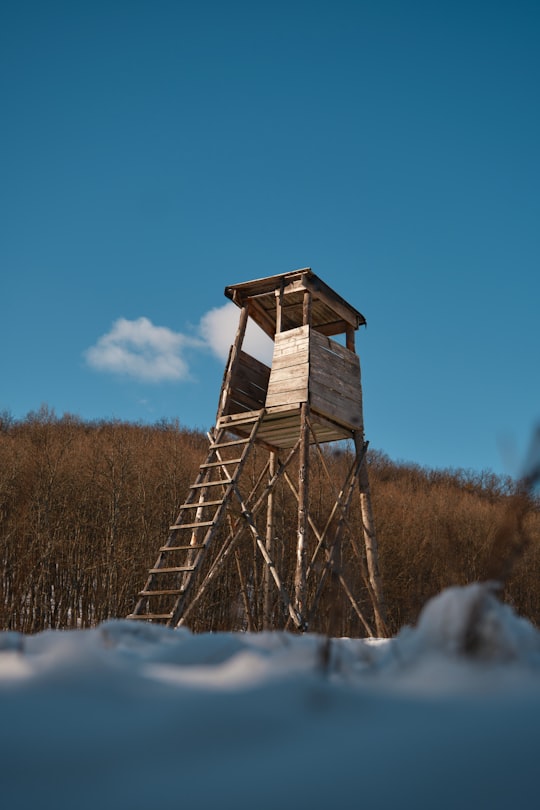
(155, 354)
(140, 349)
(218, 329)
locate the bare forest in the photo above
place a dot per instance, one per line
(84, 507)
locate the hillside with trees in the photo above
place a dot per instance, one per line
(84, 507)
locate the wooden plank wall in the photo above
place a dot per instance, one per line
(334, 382)
(308, 364)
(290, 368)
(248, 386)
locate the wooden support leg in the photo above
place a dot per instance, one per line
(303, 510)
(267, 605)
(370, 541)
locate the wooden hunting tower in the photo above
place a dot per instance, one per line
(311, 395)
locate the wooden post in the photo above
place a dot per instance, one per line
(279, 308)
(267, 597)
(303, 510)
(370, 541)
(303, 490)
(233, 359)
(349, 338)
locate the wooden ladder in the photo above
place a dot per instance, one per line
(170, 581)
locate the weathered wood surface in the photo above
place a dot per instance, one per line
(281, 424)
(334, 383)
(277, 301)
(290, 368)
(309, 367)
(342, 411)
(247, 385)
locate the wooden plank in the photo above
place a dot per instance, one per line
(335, 385)
(326, 343)
(275, 411)
(333, 366)
(331, 328)
(343, 412)
(174, 570)
(291, 334)
(249, 388)
(326, 423)
(253, 363)
(290, 429)
(291, 337)
(320, 343)
(241, 404)
(245, 379)
(149, 616)
(248, 384)
(177, 526)
(287, 392)
(336, 365)
(288, 397)
(288, 415)
(291, 358)
(299, 352)
(197, 505)
(234, 419)
(209, 464)
(339, 404)
(251, 369)
(209, 484)
(262, 318)
(281, 376)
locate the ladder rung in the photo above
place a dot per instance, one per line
(220, 463)
(176, 570)
(201, 504)
(190, 525)
(219, 445)
(226, 422)
(222, 483)
(161, 593)
(148, 616)
(183, 548)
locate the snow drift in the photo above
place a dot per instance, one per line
(129, 715)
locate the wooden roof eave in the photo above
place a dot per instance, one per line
(253, 293)
(261, 317)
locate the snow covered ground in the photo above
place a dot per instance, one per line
(128, 715)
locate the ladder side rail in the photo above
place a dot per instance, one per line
(248, 517)
(182, 610)
(189, 576)
(221, 559)
(228, 483)
(196, 490)
(162, 557)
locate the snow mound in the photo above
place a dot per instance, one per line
(130, 715)
(471, 622)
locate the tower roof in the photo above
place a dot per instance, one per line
(331, 314)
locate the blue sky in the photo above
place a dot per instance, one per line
(154, 152)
